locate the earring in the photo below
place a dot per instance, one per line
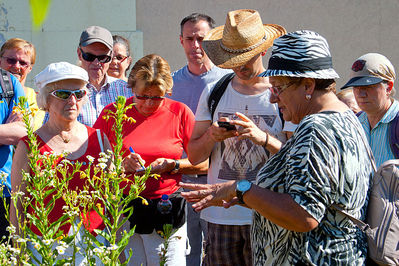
(308, 97)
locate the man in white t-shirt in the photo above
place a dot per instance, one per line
(236, 154)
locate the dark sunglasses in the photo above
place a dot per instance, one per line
(91, 57)
(65, 94)
(13, 61)
(120, 58)
(154, 98)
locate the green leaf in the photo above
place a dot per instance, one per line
(39, 10)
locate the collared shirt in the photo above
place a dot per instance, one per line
(378, 137)
(97, 100)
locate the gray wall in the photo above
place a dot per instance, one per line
(352, 27)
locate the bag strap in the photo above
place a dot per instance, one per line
(360, 224)
(217, 92)
(6, 85)
(100, 140)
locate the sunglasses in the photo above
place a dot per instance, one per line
(119, 58)
(91, 57)
(13, 61)
(154, 98)
(65, 94)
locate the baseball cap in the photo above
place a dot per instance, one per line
(96, 34)
(60, 71)
(369, 69)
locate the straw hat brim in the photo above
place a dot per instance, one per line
(225, 59)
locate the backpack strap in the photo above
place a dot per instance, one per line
(393, 135)
(217, 92)
(6, 85)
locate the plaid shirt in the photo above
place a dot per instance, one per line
(97, 100)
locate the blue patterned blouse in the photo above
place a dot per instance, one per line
(325, 162)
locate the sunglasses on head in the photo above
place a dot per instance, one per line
(13, 61)
(91, 57)
(154, 98)
(119, 58)
(65, 94)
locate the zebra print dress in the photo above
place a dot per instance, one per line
(325, 162)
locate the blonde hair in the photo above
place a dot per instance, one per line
(153, 70)
(345, 94)
(44, 92)
(20, 44)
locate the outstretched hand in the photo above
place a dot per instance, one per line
(206, 195)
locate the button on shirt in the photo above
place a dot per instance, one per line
(378, 137)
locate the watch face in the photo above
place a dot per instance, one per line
(243, 185)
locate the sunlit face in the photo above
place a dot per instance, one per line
(191, 40)
(95, 69)
(148, 106)
(68, 109)
(17, 62)
(120, 62)
(291, 99)
(373, 98)
(251, 69)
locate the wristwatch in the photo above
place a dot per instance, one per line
(176, 168)
(242, 187)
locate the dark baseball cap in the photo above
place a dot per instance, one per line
(96, 34)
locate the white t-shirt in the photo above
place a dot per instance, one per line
(233, 159)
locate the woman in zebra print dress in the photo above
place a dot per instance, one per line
(324, 163)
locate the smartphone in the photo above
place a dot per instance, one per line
(227, 125)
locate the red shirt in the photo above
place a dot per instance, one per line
(92, 220)
(163, 134)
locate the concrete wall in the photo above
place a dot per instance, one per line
(58, 38)
(352, 27)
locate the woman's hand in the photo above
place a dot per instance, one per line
(162, 165)
(206, 195)
(249, 130)
(133, 163)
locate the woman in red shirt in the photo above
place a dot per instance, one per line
(62, 93)
(157, 139)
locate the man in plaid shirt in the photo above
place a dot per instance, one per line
(95, 53)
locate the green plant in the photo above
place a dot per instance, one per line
(48, 181)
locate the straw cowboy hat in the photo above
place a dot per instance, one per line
(240, 39)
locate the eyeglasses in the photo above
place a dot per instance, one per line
(119, 58)
(65, 94)
(13, 61)
(277, 90)
(154, 98)
(91, 57)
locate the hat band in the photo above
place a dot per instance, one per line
(276, 63)
(243, 50)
